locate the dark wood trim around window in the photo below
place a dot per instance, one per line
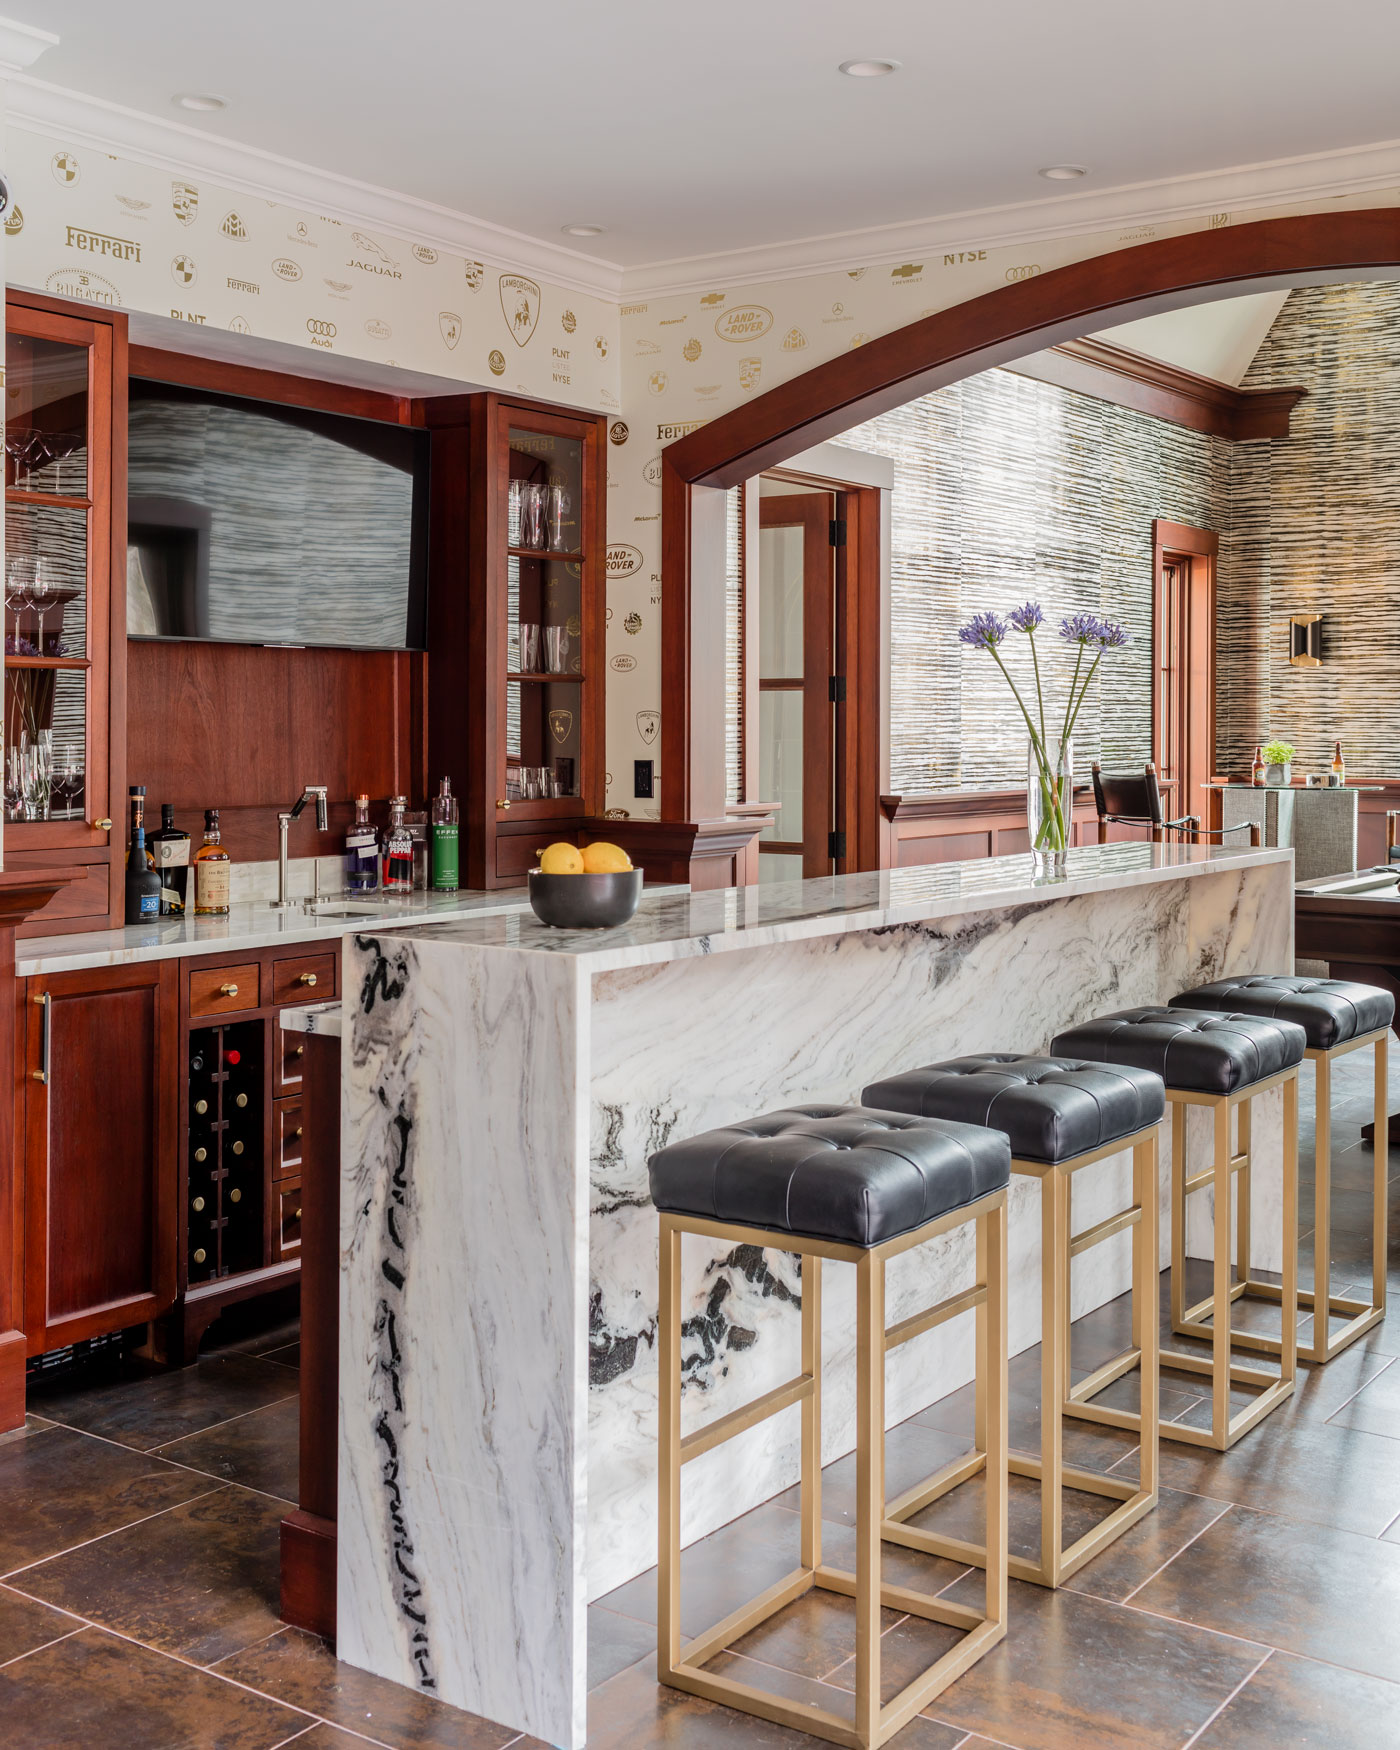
(1147, 385)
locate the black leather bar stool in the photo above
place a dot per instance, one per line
(1061, 1115)
(1338, 1017)
(1221, 1062)
(857, 1186)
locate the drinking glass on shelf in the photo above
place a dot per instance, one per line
(38, 774)
(557, 518)
(529, 648)
(40, 599)
(532, 515)
(14, 783)
(513, 513)
(556, 649)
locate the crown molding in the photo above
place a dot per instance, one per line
(21, 45)
(185, 151)
(1133, 206)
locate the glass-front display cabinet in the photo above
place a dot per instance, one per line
(530, 619)
(64, 414)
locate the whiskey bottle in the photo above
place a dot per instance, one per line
(1339, 765)
(362, 851)
(170, 849)
(142, 882)
(1256, 776)
(136, 806)
(444, 831)
(398, 850)
(211, 871)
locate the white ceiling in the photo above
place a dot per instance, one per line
(696, 129)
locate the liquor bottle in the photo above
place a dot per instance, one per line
(398, 850)
(1339, 765)
(1256, 776)
(142, 882)
(446, 863)
(362, 851)
(211, 871)
(136, 806)
(170, 849)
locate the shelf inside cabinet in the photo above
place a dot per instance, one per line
(61, 500)
(541, 553)
(48, 662)
(544, 675)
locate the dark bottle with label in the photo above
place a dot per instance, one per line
(136, 805)
(398, 850)
(142, 882)
(444, 837)
(169, 846)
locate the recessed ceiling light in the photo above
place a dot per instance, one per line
(203, 101)
(583, 230)
(868, 69)
(1063, 172)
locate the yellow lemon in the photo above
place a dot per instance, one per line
(562, 859)
(601, 858)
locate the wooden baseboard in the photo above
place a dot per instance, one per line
(308, 1573)
(13, 1352)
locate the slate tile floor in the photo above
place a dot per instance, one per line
(1260, 1605)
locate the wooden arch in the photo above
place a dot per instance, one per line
(999, 326)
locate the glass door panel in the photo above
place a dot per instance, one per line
(46, 416)
(545, 507)
(544, 616)
(781, 569)
(780, 763)
(544, 740)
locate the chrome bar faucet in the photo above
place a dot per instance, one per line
(312, 793)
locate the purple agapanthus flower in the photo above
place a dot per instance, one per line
(983, 631)
(1112, 636)
(1027, 617)
(1082, 629)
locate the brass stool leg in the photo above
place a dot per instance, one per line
(993, 1396)
(668, 1343)
(1054, 1321)
(1244, 1207)
(1220, 1338)
(1319, 1348)
(1380, 1200)
(870, 1486)
(1145, 1314)
(1178, 1265)
(811, 1489)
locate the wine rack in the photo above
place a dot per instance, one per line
(225, 1212)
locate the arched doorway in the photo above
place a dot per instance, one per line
(993, 329)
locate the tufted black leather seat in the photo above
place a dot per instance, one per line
(1209, 1053)
(1052, 1108)
(1329, 1010)
(830, 1172)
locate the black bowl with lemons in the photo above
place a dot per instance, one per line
(593, 888)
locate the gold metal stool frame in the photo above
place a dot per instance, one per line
(1057, 1564)
(681, 1666)
(1225, 1429)
(1362, 1315)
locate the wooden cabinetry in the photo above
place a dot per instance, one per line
(65, 599)
(99, 1112)
(516, 609)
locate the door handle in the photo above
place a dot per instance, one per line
(46, 1039)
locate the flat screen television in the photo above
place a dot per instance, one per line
(251, 522)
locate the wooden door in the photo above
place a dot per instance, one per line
(796, 705)
(100, 1070)
(1183, 663)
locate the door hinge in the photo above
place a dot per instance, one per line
(838, 689)
(838, 531)
(835, 845)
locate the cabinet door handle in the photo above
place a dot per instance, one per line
(307, 978)
(103, 825)
(46, 1038)
(228, 990)
(503, 802)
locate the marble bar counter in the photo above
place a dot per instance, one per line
(504, 1085)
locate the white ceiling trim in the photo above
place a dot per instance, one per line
(182, 150)
(22, 44)
(185, 151)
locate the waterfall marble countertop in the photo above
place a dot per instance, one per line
(256, 924)
(675, 924)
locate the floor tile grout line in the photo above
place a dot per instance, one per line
(228, 1421)
(1186, 1546)
(86, 1543)
(175, 1463)
(1205, 1724)
(150, 1451)
(29, 1651)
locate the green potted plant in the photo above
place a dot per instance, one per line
(1278, 759)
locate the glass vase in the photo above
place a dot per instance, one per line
(1049, 800)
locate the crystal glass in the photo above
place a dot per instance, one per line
(37, 769)
(532, 509)
(557, 527)
(556, 649)
(1049, 800)
(529, 648)
(514, 495)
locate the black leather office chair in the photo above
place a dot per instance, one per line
(1136, 800)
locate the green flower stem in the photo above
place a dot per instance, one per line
(1088, 681)
(1069, 703)
(1039, 695)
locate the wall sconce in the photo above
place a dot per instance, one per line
(1305, 641)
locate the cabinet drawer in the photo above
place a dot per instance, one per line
(287, 1157)
(289, 1218)
(291, 1062)
(300, 979)
(224, 991)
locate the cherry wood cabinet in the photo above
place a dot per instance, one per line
(99, 1117)
(65, 598)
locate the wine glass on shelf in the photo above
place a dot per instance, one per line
(21, 575)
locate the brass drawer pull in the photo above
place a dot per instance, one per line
(300, 1051)
(228, 990)
(503, 802)
(307, 978)
(297, 1131)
